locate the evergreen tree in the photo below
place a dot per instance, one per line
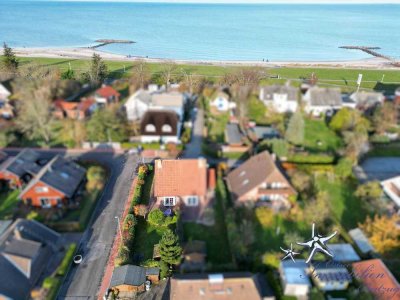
(295, 131)
(10, 61)
(98, 71)
(170, 250)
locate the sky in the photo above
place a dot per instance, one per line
(249, 1)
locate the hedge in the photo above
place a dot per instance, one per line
(311, 159)
(52, 284)
(63, 267)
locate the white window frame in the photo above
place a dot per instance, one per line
(150, 128)
(41, 189)
(166, 128)
(192, 200)
(47, 203)
(169, 201)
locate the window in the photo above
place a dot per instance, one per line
(192, 201)
(45, 202)
(150, 128)
(41, 189)
(166, 128)
(169, 201)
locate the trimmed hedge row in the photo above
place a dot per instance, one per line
(63, 267)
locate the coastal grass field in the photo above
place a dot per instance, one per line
(383, 80)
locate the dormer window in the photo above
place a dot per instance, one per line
(150, 128)
(166, 128)
(41, 189)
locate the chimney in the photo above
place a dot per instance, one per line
(201, 162)
(159, 164)
(273, 155)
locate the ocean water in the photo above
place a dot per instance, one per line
(205, 31)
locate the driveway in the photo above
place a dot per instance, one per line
(83, 281)
(193, 149)
(378, 168)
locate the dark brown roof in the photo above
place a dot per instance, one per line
(159, 118)
(252, 173)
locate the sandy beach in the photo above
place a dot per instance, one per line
(85, 53)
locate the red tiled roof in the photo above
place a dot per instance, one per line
(107, 91)
(377, 278)
(183, 177)
(85, 104)
(211, 179)
(65, 105)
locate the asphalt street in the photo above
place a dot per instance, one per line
(83, 281)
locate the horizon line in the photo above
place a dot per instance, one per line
(233, 2)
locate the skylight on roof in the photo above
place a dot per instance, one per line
(245, 182)
(242, 173)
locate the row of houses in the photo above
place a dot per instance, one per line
(317, 100)
(43, 183)
(332, 276)
(188, 185)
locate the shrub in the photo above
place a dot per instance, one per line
(311, 159)
(265, 216)
(62, 269)
(380, 139)
(34, 215)
(129, 222)
(140, 210)
(123, 256)
(156, 217)
(344, 168)
(271, 260)
(52, 284)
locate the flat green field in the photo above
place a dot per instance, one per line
(345, 78)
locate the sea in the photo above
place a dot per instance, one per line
(240, 32)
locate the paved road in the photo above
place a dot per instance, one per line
(193, 149)
(378, 168)
(83, 281)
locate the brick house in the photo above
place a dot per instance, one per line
(185, 185)
(129, 279)
(57, 183)
(106, 95)
(259, 181)
(20, 169)
(73, 110)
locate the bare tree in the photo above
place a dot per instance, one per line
(34, 115)
(194, 83)
(140, 77)
(167, 72)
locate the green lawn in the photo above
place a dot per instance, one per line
(345, 78)
(346, 208)
(216, 127)
(385, 150)
(146, 189)
(216, 237)
(146, 237)
(8, 203)
(316, 131)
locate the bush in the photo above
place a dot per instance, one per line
(62, 269)
(34, 215)
(129, 224)
(278, 146)
(344, 168)
(123, 256)
(380, 139)
(156, 217)
(311, 158)
(52, 284)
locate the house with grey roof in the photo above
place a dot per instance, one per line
(26, 249)
(143, 100)
(319, 101)
(129, 279)
(20, 169)
(234, 135)
(330, 275)
(294, 278)
(57, 183)
(361, 240)
(281, 98)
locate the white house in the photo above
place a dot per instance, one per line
(137, 105)
(294, 278)
(391, 187)
(282, 98)
(4, 93)
(221, 102)
(319, 101)
(142, 101)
